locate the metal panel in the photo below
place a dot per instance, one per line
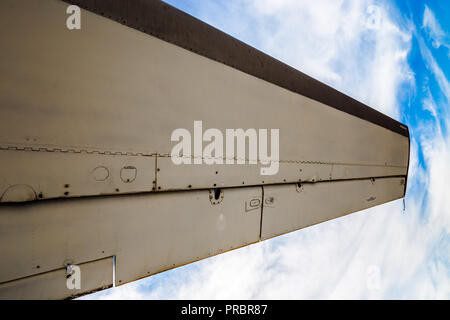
(185, 227)
(179, 177)
(147, 233)
(292, 207)
(94, 275)
(30, 175)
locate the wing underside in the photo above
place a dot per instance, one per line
(86, 118)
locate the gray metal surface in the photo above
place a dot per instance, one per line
(39, 175)
(297, 206)
(95, 275)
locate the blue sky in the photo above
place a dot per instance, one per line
(394, 56)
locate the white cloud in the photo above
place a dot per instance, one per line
(357, 47)
(434, 30)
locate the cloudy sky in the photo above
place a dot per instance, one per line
(393, 56)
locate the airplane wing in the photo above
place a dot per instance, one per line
(90, 187)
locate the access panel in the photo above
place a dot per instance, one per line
(291, 207)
